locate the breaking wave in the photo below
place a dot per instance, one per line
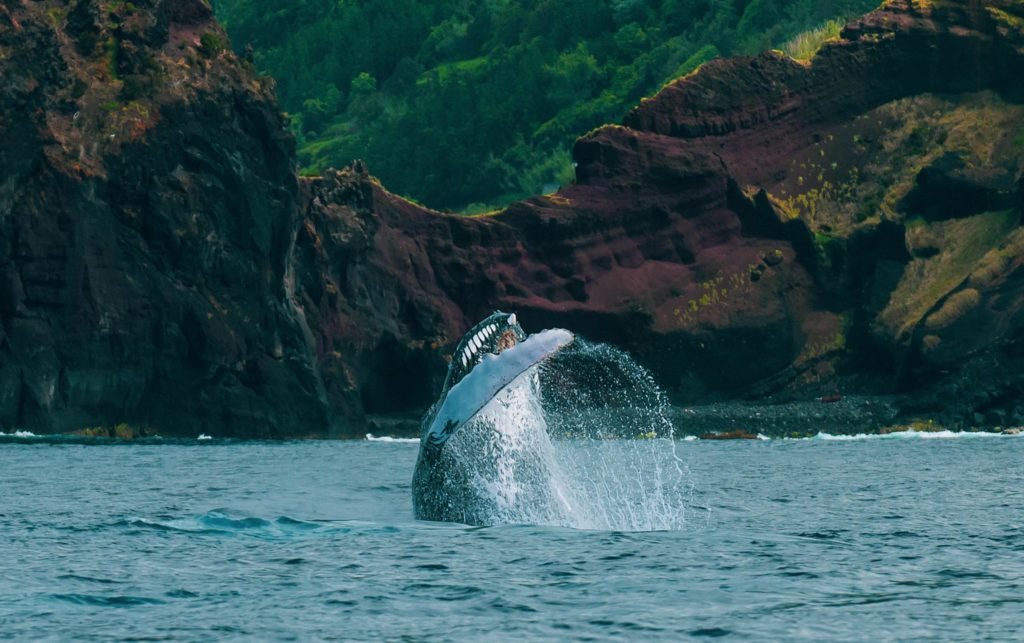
(18, 434)
(914, 435)
(386, 438)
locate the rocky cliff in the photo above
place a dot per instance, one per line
(148, 211)
(762, 228)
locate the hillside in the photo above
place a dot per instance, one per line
(765, 229)
(467, 105)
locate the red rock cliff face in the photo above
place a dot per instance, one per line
(708, 235)
(762, 227)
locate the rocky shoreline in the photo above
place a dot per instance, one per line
(849, 417)
(763, 230)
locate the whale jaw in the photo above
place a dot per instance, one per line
(499, 332)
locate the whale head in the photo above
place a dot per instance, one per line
(497, 333)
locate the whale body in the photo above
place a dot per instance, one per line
(492, 368)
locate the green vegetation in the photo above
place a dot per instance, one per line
(1008, 19)
(805, 45)
(210, 44)
(718, 291)
(57, 16)
(955, 307)
(964, 243)
(466, 103)
(110, 52)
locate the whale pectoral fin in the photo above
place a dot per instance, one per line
(489, 378)
(440, 437)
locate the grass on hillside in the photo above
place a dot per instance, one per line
(804, 46)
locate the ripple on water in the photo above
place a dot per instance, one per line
(222, 522)
(710, 632)
(90, 579)
(181, 593)
(107, 601)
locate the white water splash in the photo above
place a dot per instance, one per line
(547, 452)
(387, 438)
(18, 434)
(912, 435)
(509, 462)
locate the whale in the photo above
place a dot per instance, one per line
(490, 367)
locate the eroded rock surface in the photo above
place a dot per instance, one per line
(148, 207)
(761, 229)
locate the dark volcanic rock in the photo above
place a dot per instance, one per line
(736, 434)
(161, 266)
(145, 243)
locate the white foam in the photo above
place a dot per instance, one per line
(18, 434)
(204, 437)
(909, 434)
(387, 438)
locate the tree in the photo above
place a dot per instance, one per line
(478, 101)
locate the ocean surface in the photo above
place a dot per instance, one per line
(901, 537)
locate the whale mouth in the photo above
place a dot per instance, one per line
(494, 335)
(507, 340)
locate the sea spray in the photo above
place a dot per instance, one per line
(614, 437)
(583, 441)
(508, 460)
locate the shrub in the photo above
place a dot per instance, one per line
(807, 44)
(210, 44)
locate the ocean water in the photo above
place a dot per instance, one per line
(857, 539)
